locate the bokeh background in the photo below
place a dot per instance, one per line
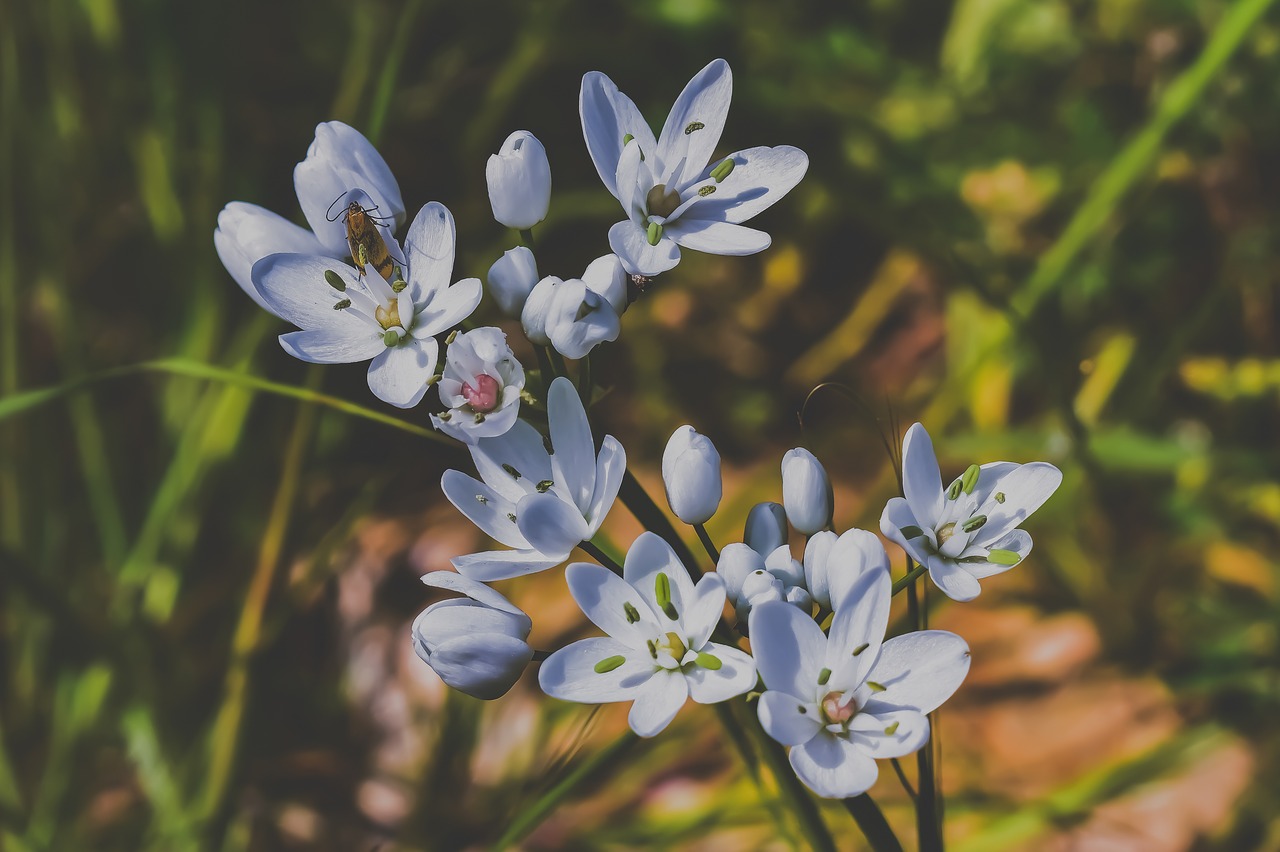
(1050, 229)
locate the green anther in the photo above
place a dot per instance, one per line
(397, 273)
(479, 416)
(544, 486)
(709, 662)
(970, 478)
(627, 139)
(974, 523)
(447, 416)
(511, 517)
(670, 611)
(511, 471)
(633, 614)
(655, 233)
(911, 532)
(453, 335)
(608, 664)
(875, 687)
(335, 281)
(999, 495)
(858, 650)
(694, 126)
(824, 676)
(892, 729)
(390, 338)
(1003, 557)
(340, 305)
(662, 588)
(399, 285)
(481, 499)
(723, 170)
(653, 649)
(706, 190)
(953, 493)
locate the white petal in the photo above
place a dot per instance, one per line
(855, 553)
(332, 346)
(611, 464)
(605, 276)
(569, 674)
(630, 242)
(789, 647)
(608, 117)
(657, 703)
(704, 609)
(1018, 541)
(955, 581)
(448, 308)
(736, 675)
(399, 375)
(484, 666)
(429, 248)
(787, 719)
(497, 565)
(489, 513)
(921, 670)
(246, 233)
(513, 462)
(921, 479)
(295, 289)
(340, 160)
(550, 525)
(1025, 489)
(448, 619)
(705, 100)
(860, 622)
(833, 767)
(650, 556)
(869, 732)
(606, 598)
(766, 528)
(574, 460)
(736, 562)
(760, 177)
(580, 320)
(896, 517)
(475, 590)
(717, 237)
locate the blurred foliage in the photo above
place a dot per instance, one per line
(1048, 229)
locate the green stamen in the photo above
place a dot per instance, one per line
(824, 676)
(398, 286)
(875, 687)
(479, 416)
(858, 650)
(544, 486)
(626, 139)
(608, 664)
(453, 335)
(999, 495)
(1003, 557)
(335, 281)
(723, 170)
(953, 493)
(633, 614)
(706, 190)
(974, 523)
(892, 729)
(340, 305)
(970, 478)
(390, 338)
(709, 662)
(693, 126)
(515, 474)
(662, 588)
(655, 233)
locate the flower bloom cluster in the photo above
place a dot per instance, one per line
(840, 696)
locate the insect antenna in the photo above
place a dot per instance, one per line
(328, 214)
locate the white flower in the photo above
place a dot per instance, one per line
(475, 644)
(542, 504)
(806, 492)
(751, 579)
(672, 197)
(575, 315)
(845, 700)
(347, 318)
(511, 278)
(691, 475)
(481, 386)
(766, 528)
(340, 161)
(659, 651)
(832, 565)
(519, 181)
(969, 530)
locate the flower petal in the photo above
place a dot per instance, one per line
(574, 458)
(550, 525)
(608, 117)
(860, 622)
(869, 732)
(736, 562)
(341, 159)
(1018, 541)
(1025, 489)
(650, 556)
(736, 675)
(332, 346)
(658, 701)
(475, 590)
(495, 565)
(715, 237)
(611, 464)
(570, 675)
(630, 242)
(896, 517)
(921, 479)
(920, 670)
(429, 248)
(704, 609)
(607, 600)
(854, 554)
(788, 646)
(955, 581)
(246, 233)
(787, 719)
(449, 307)
(295, 289)
(484, 666)
(833, 767)
(514, 462)
(760, 177)
(484, 507)
(695, 122)
(399, 374)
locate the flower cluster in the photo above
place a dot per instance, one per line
(804, 630)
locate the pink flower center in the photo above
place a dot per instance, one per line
(836, 709)
(483, 397)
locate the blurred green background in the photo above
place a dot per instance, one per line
(1048, 229)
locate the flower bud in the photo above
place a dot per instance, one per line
(519, 181)
(512, 278)
(766, 528)
(537, 310)
(475, 644)
(691, 474)
(806, 492)
(481, 385)
(760, 586)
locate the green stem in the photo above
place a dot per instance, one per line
(909, 579)
(640, 504)
(531, 817)
(526, 238)
(584, 380)
(600, 556)
(806, 810)
(727, 713)
(866, 813)
(557, 362)
(707, 543)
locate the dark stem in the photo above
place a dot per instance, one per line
(584, 380)
(909, 580)
(866, 813)
(600, 556)
(707, 543)
(902, 778)
(557, 362)
(544, 365)
(638, 501)
(526, 238)
(928, 832)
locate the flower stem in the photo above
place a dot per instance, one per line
(600, 556)
(806, 810)
(526, 238)
(544, 364)
(557, 362)
(640, 504)
(584, 380)
(707, 543)
(866, 813)
(531, 817)
(909, 579)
